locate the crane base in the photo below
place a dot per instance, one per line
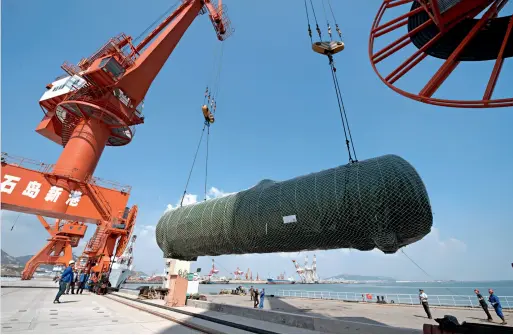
(328, 48)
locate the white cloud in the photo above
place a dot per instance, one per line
(190, 199)
(216, 193)
(146, 230)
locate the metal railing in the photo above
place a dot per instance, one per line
(45, 168)
(404, 299)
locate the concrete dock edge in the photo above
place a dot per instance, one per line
(305, 321)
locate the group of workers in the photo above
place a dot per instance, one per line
(493, 299)
(71, 279)
(257, 297)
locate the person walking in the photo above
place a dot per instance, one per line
(81, 282)
(262, 296)
(256, 299)
(483, 304)
(66, 278)
(496, 304)
(71, 284)
(251, 293)
(424, 301)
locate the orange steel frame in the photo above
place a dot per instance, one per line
(444, 22)
(103, 111)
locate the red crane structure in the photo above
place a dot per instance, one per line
(449, 30)
(97, 103)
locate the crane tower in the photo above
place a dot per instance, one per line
(96, 103)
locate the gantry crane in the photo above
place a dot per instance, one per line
(97, 103)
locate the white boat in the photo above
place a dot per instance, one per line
(122, 266)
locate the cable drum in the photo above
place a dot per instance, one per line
(377, 203)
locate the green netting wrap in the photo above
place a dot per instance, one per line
(377, 203)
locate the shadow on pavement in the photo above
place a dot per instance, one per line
(178, 329)
(278, 304)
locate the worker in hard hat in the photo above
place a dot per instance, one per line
(65, 279)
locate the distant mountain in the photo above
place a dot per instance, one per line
(138, 274)
(24, 259)
(8, 260)
(360, 278)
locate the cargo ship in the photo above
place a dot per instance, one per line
(122, 266)
(280, 281)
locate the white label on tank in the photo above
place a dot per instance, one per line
(289, 219)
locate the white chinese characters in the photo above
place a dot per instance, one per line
(9, 183)
(53, 194)
(74, 198)
(33, 189)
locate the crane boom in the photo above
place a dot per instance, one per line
(160, 43)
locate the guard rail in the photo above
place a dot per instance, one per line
(405, 299)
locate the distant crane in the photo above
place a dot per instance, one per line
(238, 273)
(307, 275)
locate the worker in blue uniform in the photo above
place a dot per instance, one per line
(496, 304)
(66, 278)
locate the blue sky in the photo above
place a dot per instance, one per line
(277, 118)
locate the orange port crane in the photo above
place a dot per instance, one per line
(97, 103)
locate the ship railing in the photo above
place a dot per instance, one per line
(465, 301)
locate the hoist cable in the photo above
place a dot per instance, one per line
(313, 11)
(308, 20)
(159, 19)
(206, 159)
(316, 23)
(218, 77)
(327, 21)
(344, 112)
(341, 109)
(215, 56)
(331, 9)
(192, 167)
(335, 20)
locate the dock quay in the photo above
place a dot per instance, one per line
(27, 308)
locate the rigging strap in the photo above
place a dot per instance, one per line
(308, 20)
(316, 23)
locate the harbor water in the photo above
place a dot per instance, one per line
(501, 288)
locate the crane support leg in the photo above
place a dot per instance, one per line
(56, 252)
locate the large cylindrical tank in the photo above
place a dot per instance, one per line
(377, 203)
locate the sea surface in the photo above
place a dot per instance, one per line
(501, 288)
